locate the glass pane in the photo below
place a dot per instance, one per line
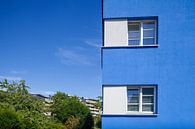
(149, 33)
(148, 108)
(134, 26)
(133, 108)
(134, 42)
(133, 95)
(134, 34)
(133, 99)
(149, 25)
(149, 41)
(148, 99)
(133, 92)
(148, 91)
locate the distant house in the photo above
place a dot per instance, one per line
(44, 98)
(39, 96)
(91, 104)
(47, 101)
(148, 64)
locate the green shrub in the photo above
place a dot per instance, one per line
(9, 119)
(64, 109)
(19, 110)
(52, 124)
(72, 123)
(98, 121)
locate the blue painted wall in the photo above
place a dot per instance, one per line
(171, 65)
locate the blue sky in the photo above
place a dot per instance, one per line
(52, 44)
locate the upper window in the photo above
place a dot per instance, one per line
(141, 99)
(142, 33)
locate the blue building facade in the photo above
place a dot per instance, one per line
(148, 84)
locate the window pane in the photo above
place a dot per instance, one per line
(134, 34)
(148, 91)
(133, 99)
(134, 26)
(148, 99)
(149, 41)
(133, 108)
(148, 108)
(134, 42)
(149, 33)
(133, 92)
(149, 25)
(133, 95)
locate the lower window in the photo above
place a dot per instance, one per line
(141, 99)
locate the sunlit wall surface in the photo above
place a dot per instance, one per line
(169, 65)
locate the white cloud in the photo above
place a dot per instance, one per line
(49, 92)
(18, 72)
(73, 56)
(93, 43)
(11, 78)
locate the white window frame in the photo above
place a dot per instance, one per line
(140, 100)
(142, 32)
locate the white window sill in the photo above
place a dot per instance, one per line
(132, 115)
(140, 113)
(133, 46)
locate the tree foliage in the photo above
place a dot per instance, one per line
(20, 110)
(23, 111)
(65, 108)
(9, 119)
(72, 123)
(97, 119)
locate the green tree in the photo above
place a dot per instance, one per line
(97, 119)
(4, 84)
(9, 118)
(98, 122)
(23, 88)
(65, 107)
(99, 103)
(19, 110)
(72, 123)
(23, 111)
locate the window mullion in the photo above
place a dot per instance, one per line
(140, 100)
(141, 34)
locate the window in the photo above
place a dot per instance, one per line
(141, 99)
(142, 33)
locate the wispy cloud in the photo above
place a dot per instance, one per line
(18, 72)
(73, 56)
(49, 92)
(11, 78)
(93, 43)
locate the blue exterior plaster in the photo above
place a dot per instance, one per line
(171, 65)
